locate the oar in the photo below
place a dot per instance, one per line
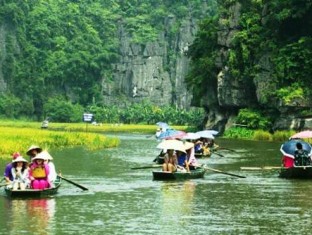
(223, 172)
(72, 182)
(217, 154)
(260, 168)
(232, 150)
(146, 167)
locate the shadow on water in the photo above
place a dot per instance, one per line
(125, 201)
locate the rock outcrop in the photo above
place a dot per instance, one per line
(154, 71)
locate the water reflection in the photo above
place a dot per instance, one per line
(31, 216)
(177, 202)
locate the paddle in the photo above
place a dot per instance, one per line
(260, 168)
(217, 154)
(232, 150)
(223, 172)
(146, 167)
(72, 182)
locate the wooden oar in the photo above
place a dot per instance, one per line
(260, 168)
(146, 167)
(72, 182)
(223, 172)
(217, 154)
(232, 150)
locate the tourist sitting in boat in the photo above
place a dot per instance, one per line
(8, 169)
(181, 161)
(52, 172)
(191, 162)
(20, 174)
(33, 151)
(170, 163)
(199, 147)
(38, 173)
(301, 157)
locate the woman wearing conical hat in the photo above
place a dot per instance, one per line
(39, 172)
(20, 173)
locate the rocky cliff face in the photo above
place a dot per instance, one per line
(154, 71)
(233, 94)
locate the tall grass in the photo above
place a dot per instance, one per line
(14, 139)
(262, 135)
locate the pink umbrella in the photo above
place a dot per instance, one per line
(302, 135)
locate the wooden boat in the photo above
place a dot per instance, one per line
(200, 155)
(34, 193)
(178, 175)
(296, 172)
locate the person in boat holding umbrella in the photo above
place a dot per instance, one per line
(20, 173)
(39, 172)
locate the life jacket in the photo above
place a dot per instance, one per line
(39, 172)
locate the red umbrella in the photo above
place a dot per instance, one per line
(302, 135)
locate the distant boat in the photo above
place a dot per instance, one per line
(34, 193)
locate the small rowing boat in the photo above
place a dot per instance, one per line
(34, 193)
(296, 172)
(199, 172)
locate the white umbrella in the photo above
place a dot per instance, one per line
(188, 145)
(172, 144)
(206, 135)
(191, 136)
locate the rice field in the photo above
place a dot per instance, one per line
(14, 139)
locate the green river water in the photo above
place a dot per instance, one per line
(125, 201)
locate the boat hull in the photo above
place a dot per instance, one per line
(298, 172)
(194, 174)
(33, 193)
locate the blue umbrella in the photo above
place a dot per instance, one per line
(289, 147)
(171, 134)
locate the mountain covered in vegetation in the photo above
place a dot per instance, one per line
(251, 64)
(246, 62)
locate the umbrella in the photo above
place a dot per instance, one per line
(188, 145)
(171, 134)
(163, 125)
(191, 136)
(302, 135)
(206, 134)
(172, 144)
(212, 132)
(289, 148)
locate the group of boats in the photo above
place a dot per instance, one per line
(289, 148)
(302, 171)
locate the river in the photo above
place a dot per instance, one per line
(125, 201)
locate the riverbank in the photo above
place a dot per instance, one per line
(19, 138)
(18, 135)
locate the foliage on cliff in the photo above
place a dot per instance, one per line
(65, 48)
(281, 30)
